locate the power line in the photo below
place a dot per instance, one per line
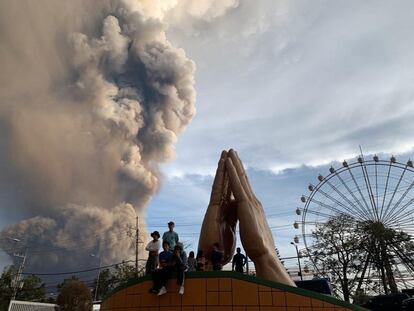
(42, 249)
(79, 271)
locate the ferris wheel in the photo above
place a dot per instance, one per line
(368, 191)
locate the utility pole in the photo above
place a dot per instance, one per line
(19, 273)
(99, 268)
(133, 232)
(136, 246)
(297, 253)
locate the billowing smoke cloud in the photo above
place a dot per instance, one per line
(205, 10)
(92, 98)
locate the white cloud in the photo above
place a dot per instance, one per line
(309, 86)
(206, 10)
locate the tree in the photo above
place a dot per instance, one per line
(30, 288)
(74, 296)
(105, 284)
(110, 279)
(387, 248)
(337, 253)
(6, 289)
(66, 281)
(123, 272)
(361, 257)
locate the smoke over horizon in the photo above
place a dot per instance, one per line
(93, 97)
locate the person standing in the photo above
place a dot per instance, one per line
(201, 261)
(192, 262)
(153, 248)
(216, 257)
(239, 260)
(170, 236)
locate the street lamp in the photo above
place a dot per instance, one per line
(14, 239)
(297, 253)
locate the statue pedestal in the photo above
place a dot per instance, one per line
(221, 291)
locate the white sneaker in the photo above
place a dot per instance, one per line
(181, 291)
(162, 291)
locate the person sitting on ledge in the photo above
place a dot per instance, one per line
(179, 264)
(216, 257)
(161, 275)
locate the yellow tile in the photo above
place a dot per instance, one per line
(129, 301)
(294, 300)
(225, 285)
(149, 300)
(176, 299)
(136, 300)
(195, 292)
(134, 289)
(187, 308)
(218, 308)
(292, 309)
(212, 298)
(279, 299)
(164, 300)
(244, 293)
(239, 308)
(272, 308)
(200, 308)
(225, 299)
(328, 305)
(263, 288)
(212, 285)
(172, 286)
(170, 308)
(316, 302)
(119, 299)
(265, 298)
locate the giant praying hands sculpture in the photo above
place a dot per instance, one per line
(232, 199)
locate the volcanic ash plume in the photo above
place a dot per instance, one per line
(92, 99)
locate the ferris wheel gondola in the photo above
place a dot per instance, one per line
(374, 191)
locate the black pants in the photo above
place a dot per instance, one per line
(217, 267)
(180, 275)
(160, 277)
(239, 269)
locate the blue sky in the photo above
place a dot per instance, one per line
(293, 86)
